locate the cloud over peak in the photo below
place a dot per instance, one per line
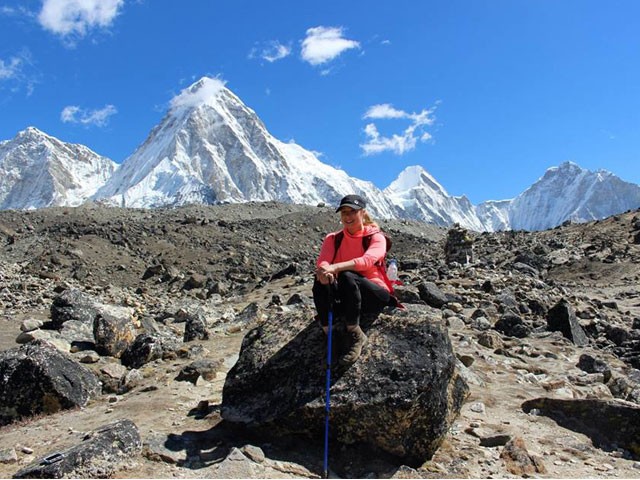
(323, 44)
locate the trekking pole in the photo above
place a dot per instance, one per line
(327, 402)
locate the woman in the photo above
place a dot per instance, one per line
(355, 275)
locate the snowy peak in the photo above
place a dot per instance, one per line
(566, 192)
(415, 177)
(38, 170)
(212, 148)
(419, 196)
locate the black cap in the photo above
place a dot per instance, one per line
(354, 201)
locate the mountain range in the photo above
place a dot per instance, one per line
(211, 148)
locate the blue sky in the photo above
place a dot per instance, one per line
(485, 95)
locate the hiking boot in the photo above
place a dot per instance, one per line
(358, 341)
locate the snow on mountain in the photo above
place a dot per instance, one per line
(211, 148)
(37, 170)
(421, 197)
(569, 192)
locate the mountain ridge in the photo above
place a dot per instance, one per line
(211, 148)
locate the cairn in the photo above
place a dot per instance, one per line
(459, 246)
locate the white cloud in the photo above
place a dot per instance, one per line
(396, 143)
(271, 51)
(16, 72)
(75, 114)
(11, 68)
(206, 90)
(323, 44)
(77, 17)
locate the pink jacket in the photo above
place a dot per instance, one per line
(351, 249)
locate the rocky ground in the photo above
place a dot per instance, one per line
(239, 264)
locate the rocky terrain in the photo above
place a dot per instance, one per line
(545, 328)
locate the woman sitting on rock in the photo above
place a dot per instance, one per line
(356, 276)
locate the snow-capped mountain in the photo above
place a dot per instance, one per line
(421, 197)
(563, 193)
(211, 148)
(37, 170)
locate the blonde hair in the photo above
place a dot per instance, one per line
(367, 220)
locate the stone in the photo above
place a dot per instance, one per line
(512, 325)
(31, 324)
(148, 347)
(490, 339)
(591, 364)
(278, 384)
(562, 318)
(607, 422)
(519, 461)
(8, 455)
(432, 295)
(112, 334)
(98, 456)
(204, 368)
(195, 328)
(37, 378)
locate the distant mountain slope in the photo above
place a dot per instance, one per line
(421, 197)
(37, 170)
(563, 193)
(211, 148)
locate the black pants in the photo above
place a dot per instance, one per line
(354, 295)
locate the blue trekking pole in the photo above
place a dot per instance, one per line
(328, 389)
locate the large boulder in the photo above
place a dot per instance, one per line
(38, 378)
(98, 456)
(74, 304)
(400, 397)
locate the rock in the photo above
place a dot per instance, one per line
(278, 384)
(432, 295)
(73, 304)
(195, 281)
(98, 456)
(148, 347)
(606, 422)
(519, 461)
(37, 378)
(407, 294)
(195, 328)
(112, 334)
(8, 455)
(205, 368)
(591, 364)
(562, 318)
(490, 339)
(30, 324)
(76, 305)
(512, 325)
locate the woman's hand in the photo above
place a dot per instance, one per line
(326, 274)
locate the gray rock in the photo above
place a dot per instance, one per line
(98, 456)
(278, 384)
(432, 295)
(562, 318)
(37, 378)
(606, 422)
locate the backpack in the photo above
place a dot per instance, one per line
(380, 264)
